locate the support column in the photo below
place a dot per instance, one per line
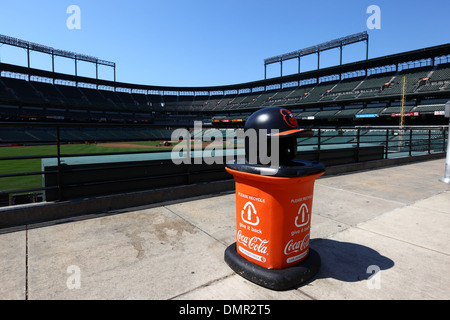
(28, 61)
(76, 71)
(96, 73)
(318, 59)
(53, 67)
(281, 68)
(367, 48)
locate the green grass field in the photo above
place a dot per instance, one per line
(34, 165)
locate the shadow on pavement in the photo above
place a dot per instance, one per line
(349, 262)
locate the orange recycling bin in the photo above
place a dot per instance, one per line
(273, 218)
(273, 204)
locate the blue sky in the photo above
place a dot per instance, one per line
(211, 42)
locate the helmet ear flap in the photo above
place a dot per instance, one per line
(288, 149)
(277, 122)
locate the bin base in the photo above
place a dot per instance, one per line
(274, 279)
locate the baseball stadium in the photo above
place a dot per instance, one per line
(92, 161)
(375, 109)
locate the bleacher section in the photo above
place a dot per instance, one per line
(66, 96)
(319, 96)
(38, 135)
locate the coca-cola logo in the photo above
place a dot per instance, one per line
(298, 246)
(254, 243)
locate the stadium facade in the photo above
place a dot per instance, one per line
(354, 110)
(358, 93)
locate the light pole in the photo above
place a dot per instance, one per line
(446, 177)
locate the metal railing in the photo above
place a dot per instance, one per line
(24, 147)
(396, 142)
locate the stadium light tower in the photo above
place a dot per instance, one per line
(30, 46)
(446, 177)
(337, 43)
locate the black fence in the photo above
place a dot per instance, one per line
(55, 161)
(373, 143)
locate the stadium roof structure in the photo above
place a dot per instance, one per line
(31, 46)
(395, 59)
(337, 43)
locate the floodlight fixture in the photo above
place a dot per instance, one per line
(31, 46)
(337, 43)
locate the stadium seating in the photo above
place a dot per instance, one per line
(89, 102)
(413, 78)
(7, 134)
(325, 114)
(347, 113)
(38, 134)
(49, 92)
(429, 108)
(441, 73)
(22, 90)
(376, 81)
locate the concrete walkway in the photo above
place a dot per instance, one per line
(394, 220)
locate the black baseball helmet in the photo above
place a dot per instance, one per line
(278, 122)
(274, 118)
